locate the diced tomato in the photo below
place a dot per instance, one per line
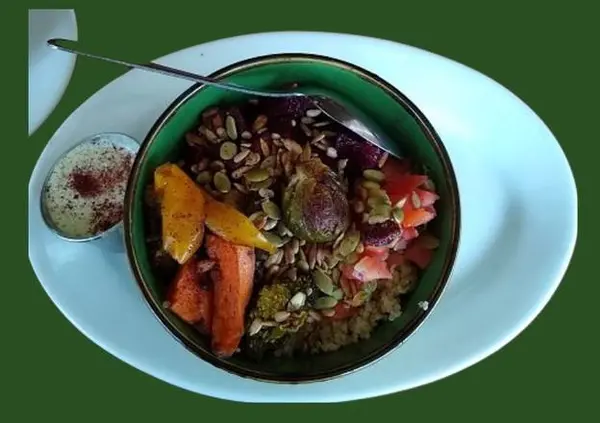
(419, 255)
(403, 186)
(414, 217)
(348, 285)
(343, 311)
(370, 268)
(427, 197)
(381, 253)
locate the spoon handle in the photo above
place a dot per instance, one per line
(69, 46)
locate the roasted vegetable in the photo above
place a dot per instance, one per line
(190, 296)
(182, 209)
(315, 205)
(230, 224)
(233, 279)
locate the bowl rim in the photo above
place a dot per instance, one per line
(407, 330)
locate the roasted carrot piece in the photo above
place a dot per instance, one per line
(190, 296)
(233, 279)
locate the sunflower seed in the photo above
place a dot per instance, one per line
(302, 265)
(194, 168)
(383, 159)
(292, 274)
(269, 324)
(255, 327)
(269, 162)
(241, 188)
(292, 146)
(297, 301)
(374, 175)
(314, 315)
(342, 164)
(228, 150)
(253, 159)
(400, 204)
(289, 255)
(220, 131)
(274, 258)
(358, 206)
(295, 245)
(266, 193)
(259, 123)
(312, 256)
(330, 312)
(202, 164)
(321, 124)
(264, 147)
(271, 271)
(239, 157)
(257, 175)
(271, 223)
(313, 113)
(208, 134)
(324, 303)
(331, 152)
(246, 135)
(281, 316)
(307, 120)
(323, 282)
(416, 201)
(398, 214)
(222, 182)
(204, 177)
(335, 275)
(239, 172)
(330, 134)
(275, 136)
(339, 239)
(217, 166)
(317, 139)
(306, 130)
(293, 122)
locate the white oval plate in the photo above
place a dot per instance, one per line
(519, 222)
(49, 74)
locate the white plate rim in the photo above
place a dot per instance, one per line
(539, 306)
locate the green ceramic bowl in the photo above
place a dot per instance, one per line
(392, 112)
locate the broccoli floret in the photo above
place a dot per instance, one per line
(271, 299)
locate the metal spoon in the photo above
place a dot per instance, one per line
(332, 108)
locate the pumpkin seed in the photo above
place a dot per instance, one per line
(271, 223)
(338, 294)
(378, 199)
(349, 243)
(281, 316)
(259, 123)
(398, 214)
(222, 182)
(375, 219)
(368, 185)
(231, 127)
(204, 177)
(228, 150)
(323, 282)
(239, 157)
(416, 200)
(257, 175)
(297, 301)
(313, 113)
(264, 147)
(383, 210)
(217, 166)
(266, 193)
(324, 303)
(351, 258)
(273, 239)
(246, 135)
(383, 159)
(257, 186)
(255, 327)
(331, 152)
(253, 159)
(374, 175)
(268, 162)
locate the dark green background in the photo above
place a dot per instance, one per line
(545, 52)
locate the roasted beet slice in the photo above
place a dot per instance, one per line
(360, 154)
(380, 234)
(292, 107)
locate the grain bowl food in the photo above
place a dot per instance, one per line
(274, 244)
(279, 233)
